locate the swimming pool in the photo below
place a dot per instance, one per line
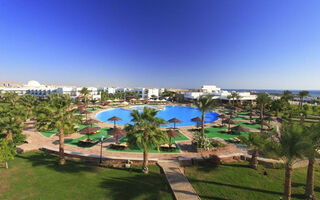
(185, 114)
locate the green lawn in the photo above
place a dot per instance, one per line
(153, 150)
(238, 182)
(103, 131)
(36, 176)
(213, 132)
(48, 134)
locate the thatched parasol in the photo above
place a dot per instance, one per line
(89, 131)
(85, 112)
(265, 124)
(229, 122)
(269, 118)
(116, 132)
(222, 116)
(240, 129)
(197, 120)
(174, 121)
(90, 122)
(114, 119)
(172, 134)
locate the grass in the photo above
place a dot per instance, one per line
(38, 176)
(48, 134)
(237, 181)
(103, 131)
(152, 150)
(213, 132)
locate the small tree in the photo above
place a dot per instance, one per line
(85, 92)
(7, 151)
(262, 100)
(56, 114)
(256, 142)
(204, 104)
(145, 132)
(312, 135)
(302, 94)
(290, 147)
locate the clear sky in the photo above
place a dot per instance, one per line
(255, 44)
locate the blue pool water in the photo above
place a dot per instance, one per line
(185, 114)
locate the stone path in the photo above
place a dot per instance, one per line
(181, 187)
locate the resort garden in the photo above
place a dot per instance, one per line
(274, 134)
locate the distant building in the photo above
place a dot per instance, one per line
(36, 89)
(217, 93)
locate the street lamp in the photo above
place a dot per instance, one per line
(101, 141)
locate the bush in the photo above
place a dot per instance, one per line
(202, 142)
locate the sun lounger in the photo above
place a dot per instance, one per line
(119, 146)
(87, 142)
(166, 147)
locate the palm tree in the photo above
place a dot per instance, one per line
(290, 147)
(56, 114)
(262, 100)
(204, 104)
(287, 96)
(313, 137)
(10, 97)
(10, 121)
(85, 92)
(256, 143)
(277, 105)
(233, 96)
(145, 132)
(30, 102)
(302, 94)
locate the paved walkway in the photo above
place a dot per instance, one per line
(181, 187)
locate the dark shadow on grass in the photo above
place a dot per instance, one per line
(211, 197)
(236, 165)
(140, 186)
(237, 186)
(50, 161)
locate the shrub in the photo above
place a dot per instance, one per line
(202, 142)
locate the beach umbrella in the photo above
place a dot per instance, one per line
(229, 122)
(89, 131)
(240, 129)
(269, 118)
(90, 122)
(222, 116)
(117, 132)
(263, 123)
(172, 134)
(85, 112)
(197, 120)
(114, 119)
(174, 121)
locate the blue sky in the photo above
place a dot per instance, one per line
(270, 44)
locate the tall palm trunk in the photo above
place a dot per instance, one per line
(62, 160)
(287, 183)
(310, 179)
(145, 168)
(9, 135)
(202, 125)
(261, 116)
(254, 160)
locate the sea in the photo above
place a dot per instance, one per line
(314, 93)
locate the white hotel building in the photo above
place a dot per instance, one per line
(36, 89)
(142, 92)
(218, 94)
